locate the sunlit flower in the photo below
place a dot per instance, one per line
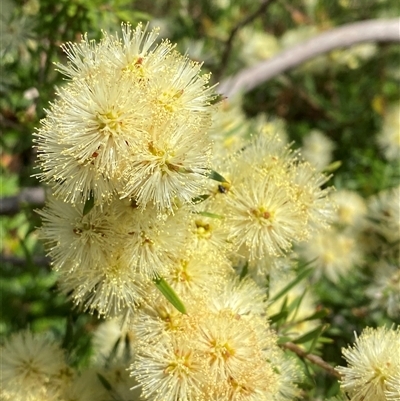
(112, 337)
(332, 252)
(221, 349)
(312, 195)
(152, 242)
(264, 216)
(110, 288)
(389, 137)
(384, 289)
(29, 364)
(197, 272)
(170, 165)
(131, 120)
(76, 240)
(351, 208)
(373, 371)
(317, 149)
(384, 214)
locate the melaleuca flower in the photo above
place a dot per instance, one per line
(112, 337)
(109, 288)
(384, 289)
(131, 120)
(29, 366)
(169, 166)
(209, 233)
(272, 199)
(106, 257)
(152, 242)
(373, 371)
(222, 349)
(229, 128)
(313, 199)
(264, 216)
(75, 240)
(389, 137)
(242, 297)
(197, 272)
(169, 370)
(351, 208)
(333, 252)
(384, 214)
(289, 375)
(317, 149)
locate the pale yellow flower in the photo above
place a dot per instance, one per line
(221, 349)
(75, 240)
(384, 214)
(312, 195)
(389, 137)
(264, 216)
(373, 371)
(317, 149)
(110, 288)
(29, 366)
(131, 120)
(351, 208)
(333, 253)
(198, 272)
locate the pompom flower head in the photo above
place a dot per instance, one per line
(373, 371)
(131, 121)
(29, 366)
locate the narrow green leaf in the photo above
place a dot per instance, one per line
(211, 215)
(318, 315)
(297, 280)
(217, 98)
(311, 335)
(199, 199)
(244, 271)
(279, 316)
(113, 352)
(69, 333)
(332, 167)
(316, 338)
(89, 204)
(283, 340)
(104, 382)
(216, 176)
(295, 305)
(169, 294)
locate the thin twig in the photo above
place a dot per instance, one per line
(228, 45)
(380, 30)
(11, 205)
(315, 359)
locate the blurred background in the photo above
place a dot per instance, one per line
(342, 107)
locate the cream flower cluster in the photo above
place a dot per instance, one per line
(131, 122)
(127, 153)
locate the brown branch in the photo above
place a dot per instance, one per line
(380, 30)
(228, 45)
(11, 205)
(315, 359)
